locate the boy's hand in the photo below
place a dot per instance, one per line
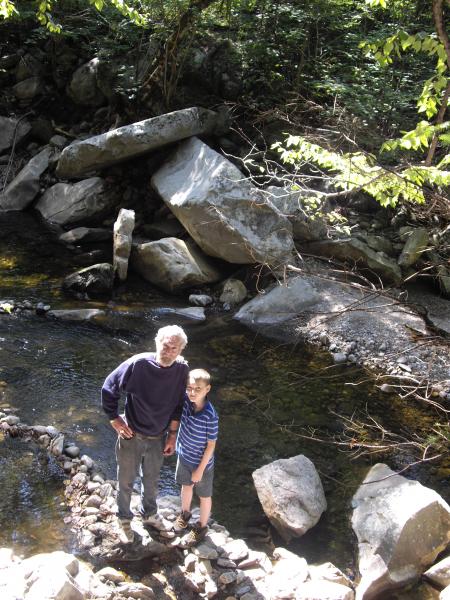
(196, 476)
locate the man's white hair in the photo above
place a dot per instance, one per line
(171, 331)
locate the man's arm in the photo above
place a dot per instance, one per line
(197, 473)
(111, 390)
(171, 439)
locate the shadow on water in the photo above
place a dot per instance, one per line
(266, 395)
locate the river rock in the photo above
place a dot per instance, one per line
(359, 253)
(200, 299)
(291, 494)
(86, 235)
(123, 232)
(83, 88)
(25, 186)
(233, 292)
(323, 590)
(28, 89)
(12, 131)
(439, 573)
(401, 528)
(95, 281)
(77, 314)
(133, 140)
(289, 573)
(224, 213)
(173, 264)
(416, 245)
(66, 203)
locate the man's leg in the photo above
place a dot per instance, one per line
(128, 456)
(150, 467)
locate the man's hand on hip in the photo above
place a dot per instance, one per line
(121, 428)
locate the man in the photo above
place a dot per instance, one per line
(155, 386)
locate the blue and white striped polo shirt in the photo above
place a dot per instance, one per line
(196, 429)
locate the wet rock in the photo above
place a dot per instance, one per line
(134, 140)
(26, 185)
(86, 235)
(123, 232)
(225, 215)
(173, 264)
(291, 494)
(95, 281)
(401, 528)
(80, 314)
(200, 299)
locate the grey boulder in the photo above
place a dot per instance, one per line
(133, 140)
(173, 264)
(24, 188)
(401, 528)
(67, 204)
(96, 280)
(224, 213)
(291, 494)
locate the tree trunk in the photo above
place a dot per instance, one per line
(438, 18)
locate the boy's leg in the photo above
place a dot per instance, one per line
(128, 456)
(205, 510)
(186, 497)
(150, 468)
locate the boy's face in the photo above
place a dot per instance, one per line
(197, 390)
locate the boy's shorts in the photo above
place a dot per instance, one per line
(203, 488)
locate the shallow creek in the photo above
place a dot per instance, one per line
(51, 373)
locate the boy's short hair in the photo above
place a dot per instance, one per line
(200, 374)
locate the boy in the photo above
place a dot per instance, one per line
(195, 448)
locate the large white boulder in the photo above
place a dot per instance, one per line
(439, 573)
(173, 264)
(401, 527)
(225, 214)
(24, 188)
(66, 203)
(323, 590)
(291, 494)
(132, 140)
(123, 237)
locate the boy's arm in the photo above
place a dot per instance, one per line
(197, 474)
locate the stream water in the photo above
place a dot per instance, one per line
(51, 373)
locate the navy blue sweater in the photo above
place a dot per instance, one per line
(154, 394)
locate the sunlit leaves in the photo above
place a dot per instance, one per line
(354, 171)
(419, 138)
(7, 9)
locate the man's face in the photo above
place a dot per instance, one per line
(167, 350)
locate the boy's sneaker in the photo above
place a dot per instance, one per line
(126, 532)
(195, 536)
(157, 522)
(182, 521)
